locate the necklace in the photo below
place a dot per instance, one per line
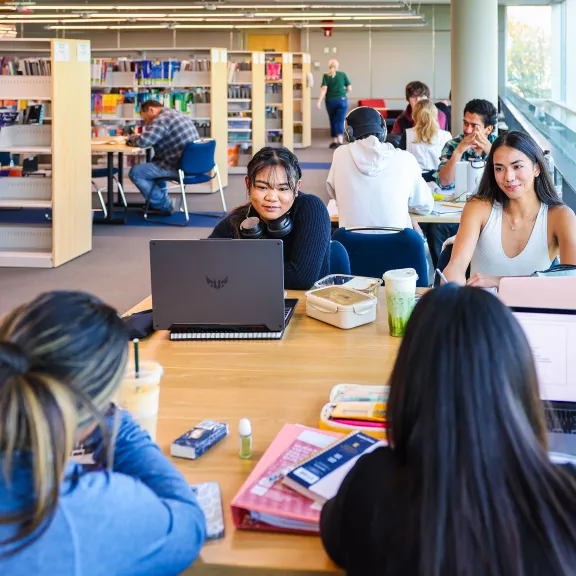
(519, 227)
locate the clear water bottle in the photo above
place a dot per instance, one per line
(551, 168)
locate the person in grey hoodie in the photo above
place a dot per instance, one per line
(373, 183)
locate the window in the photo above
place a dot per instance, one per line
(530, 50)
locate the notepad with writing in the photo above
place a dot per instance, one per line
(320, 476)
(263, 502)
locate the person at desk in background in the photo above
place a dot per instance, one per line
(335, 88)
(168, 132)
(466, 485)
(373, 183)
(479, 124)
(516, 223)
(62, 358)
(426, 140)
(415, 91)
(278, 209)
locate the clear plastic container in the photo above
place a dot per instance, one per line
(359, 283)
(341, 307)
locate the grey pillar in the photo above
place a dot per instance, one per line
(502, 50)
(474, 35)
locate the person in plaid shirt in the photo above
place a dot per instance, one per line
(479, 125)
(168, 132)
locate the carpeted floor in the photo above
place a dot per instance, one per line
(117, 268)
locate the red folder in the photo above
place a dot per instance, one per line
(263, 502)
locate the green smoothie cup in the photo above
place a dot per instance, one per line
(400, 298)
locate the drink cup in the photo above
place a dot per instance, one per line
(141, 396)
(400, 298)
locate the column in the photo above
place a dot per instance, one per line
(474, 35)
(502, 50)
(570, 53)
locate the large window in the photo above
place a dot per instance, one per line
(530, 50)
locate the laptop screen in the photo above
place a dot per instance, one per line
(552, 337)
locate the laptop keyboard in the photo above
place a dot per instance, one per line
(563, 421)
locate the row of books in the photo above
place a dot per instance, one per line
(145, 71)
(233, 67)
(273, 70)
(239, 91)
(32, 114)
(12, 66)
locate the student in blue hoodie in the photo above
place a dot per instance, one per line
(62, 357)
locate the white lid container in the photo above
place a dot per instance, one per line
(359, 283)
(341, 307)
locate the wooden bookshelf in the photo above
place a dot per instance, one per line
(214, 80)
(246, 123)
(302, 100)
(67, 191)
(279, 101)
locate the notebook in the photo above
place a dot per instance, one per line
(263, 502)
(210, 500)
(219, 289)
(319, 476)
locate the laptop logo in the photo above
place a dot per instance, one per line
(216, 284)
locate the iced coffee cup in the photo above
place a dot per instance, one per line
(141, 396)
(400, 298)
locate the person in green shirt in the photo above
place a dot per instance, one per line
(335, 87)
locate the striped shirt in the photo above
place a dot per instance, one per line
(449, 149)
(168, 134)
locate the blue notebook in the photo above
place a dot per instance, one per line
(320, 476)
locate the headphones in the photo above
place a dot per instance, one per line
(376, 128)
(251, 227)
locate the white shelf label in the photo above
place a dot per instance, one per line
(83, 52)
(224, 55)
(215, 56)
(61, 52)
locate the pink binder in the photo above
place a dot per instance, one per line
(534, 292)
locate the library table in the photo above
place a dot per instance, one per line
(100, 145)
(451, 218)
(270, 383)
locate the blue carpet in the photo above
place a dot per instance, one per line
(133, 218)
(315, 165)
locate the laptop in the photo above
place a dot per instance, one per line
(535, 292)
(552, 337)
(219, 289)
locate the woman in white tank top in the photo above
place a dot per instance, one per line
(516, 224)
(425, 141)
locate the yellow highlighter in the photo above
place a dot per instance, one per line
(439, 197)
(365, 411)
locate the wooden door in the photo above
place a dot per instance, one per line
(268, 42)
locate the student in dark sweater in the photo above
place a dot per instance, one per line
(466, 486)
(278, 209)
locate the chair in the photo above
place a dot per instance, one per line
(103, 173)
(339, 261)
(373, 254)
(4, 158)
(378, 103)
(196, 166)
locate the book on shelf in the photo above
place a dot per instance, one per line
(264, 502)
(13, 66)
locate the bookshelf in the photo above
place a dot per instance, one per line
(65, 189)
(279, 99)
(191, 80)
(302, 100)
(246, 126)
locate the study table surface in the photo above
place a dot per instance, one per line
(270, 383)
(451, 218)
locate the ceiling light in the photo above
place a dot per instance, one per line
(329, 24)
(410, 25)
(353, 17)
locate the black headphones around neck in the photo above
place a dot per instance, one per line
(251, 227)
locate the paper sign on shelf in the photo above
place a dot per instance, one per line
(83, 52)
(224, 55)
(61, 52)
(215, 56)
(262, 58)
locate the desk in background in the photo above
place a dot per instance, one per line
(99, 146)
(271, 383)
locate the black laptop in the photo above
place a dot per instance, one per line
(552, 337)
(219, 289)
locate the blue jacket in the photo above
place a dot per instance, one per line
(140, 518)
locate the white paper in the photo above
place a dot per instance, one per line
(83, 52)
(61, 52)
(224, 55)
(215, 56)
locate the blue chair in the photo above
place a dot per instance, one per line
(103, 173)
(339, 261)
(4, 158)
(373, 254)
(197, 166)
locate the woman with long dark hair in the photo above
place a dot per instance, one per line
(516, 223)
(62, 358)
(278, 209)
(465, 486)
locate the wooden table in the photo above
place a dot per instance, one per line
(271, 383)
(119, 148)
(453, 218)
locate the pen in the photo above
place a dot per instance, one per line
(444, 279)
(447, 204)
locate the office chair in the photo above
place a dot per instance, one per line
(197, 166)
(373, 254)
(103, 173)
(339, 261)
